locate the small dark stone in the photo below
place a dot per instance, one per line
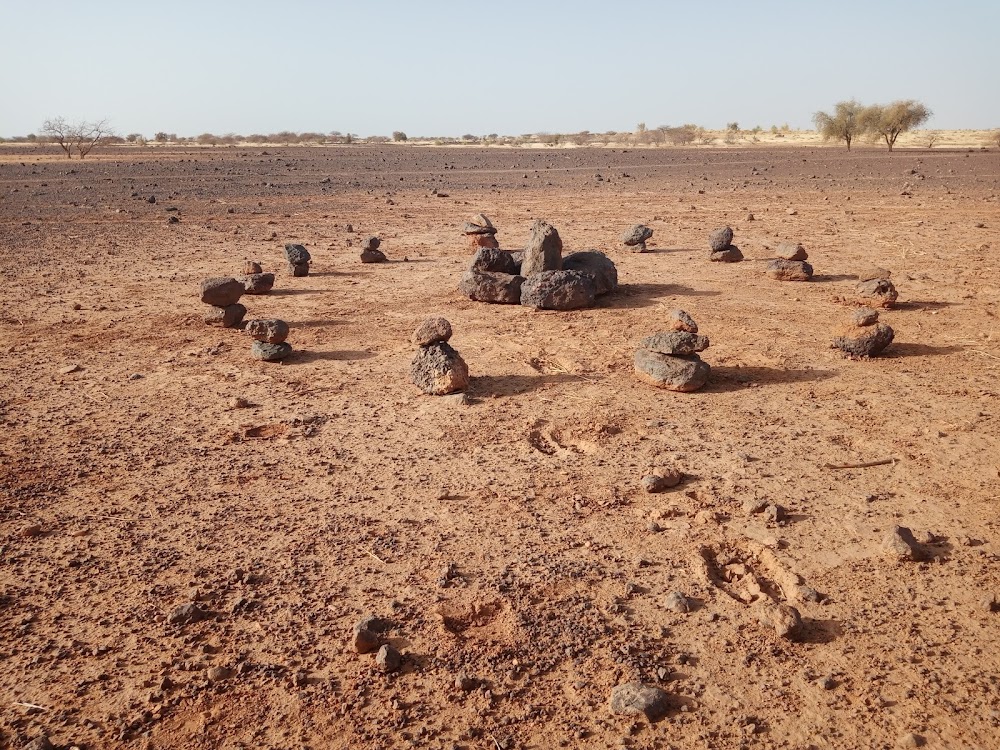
(558, 290)
(681, 321)
(865, 316)
(371, 243)
(493, 260)
(438, 370)
(296, 255)
(229, 316)
(544, 251)
(790, 251)
(597, 266)
(864, 341)
(270, 352)
(432, 331)
(637, 698)
(720, 239)
(789, 270)
(901, 544)
(677, 602)
(300, 269)
(388, 659)
(877, 293)
(636, 235)
(498, 288)
(679, 343)
(372, 255)
(221, 291)
(731, 254)
(270, 330)
(189, 613)
(258, 283)
(682, 374)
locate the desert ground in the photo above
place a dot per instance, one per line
(504, 538)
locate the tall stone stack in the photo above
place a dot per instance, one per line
(720, 241)
(790, 263)
(298, 259)
(255, 281)
(268, 339)
(864, 336)
(480, 232)
(437, 369)
(223, 294)
(635, 238)
(670, 360)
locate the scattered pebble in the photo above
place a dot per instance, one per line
(637, 698)
(388, 659)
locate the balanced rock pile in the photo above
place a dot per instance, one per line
(268, 339)
(370, 252)
(540, 277)
(723, 250)
(298, 259)
(670, 360)
(875, 288)
(481, 232)
(790, 264)
(255, 281)
(864, 336)
(635, 238)
(223, 294)
(437, 369)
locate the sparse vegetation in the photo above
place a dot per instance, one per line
(887, 122)
(399, 136)
(82, 136)
(844, 124)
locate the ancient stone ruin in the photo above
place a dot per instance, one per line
(269, 339)
(875, 289)
(723, 250)
(481, 232)
(635, 238)
(254, 280)
(437, 369)
(370, 252)
(223, 294)
(670, 360)
(790, 263)
(864, 336)
(540, 277)
(298, 259)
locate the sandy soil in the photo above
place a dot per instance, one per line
(507, 539)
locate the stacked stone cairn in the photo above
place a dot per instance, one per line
(481, 232)
(269, 339)
(864, 336)
(437, 369)
(370, 252)
(875, 289)
(298, 259)
(670, 360)
(790, 263)
(255, 281)
(540, 277)
(635, 238)
(723, 250)
(223, 294)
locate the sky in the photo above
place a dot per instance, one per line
(442, 67)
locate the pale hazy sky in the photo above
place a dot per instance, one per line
(443, 67)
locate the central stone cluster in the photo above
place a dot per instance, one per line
(539, 277)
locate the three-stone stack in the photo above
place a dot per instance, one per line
(670, 360)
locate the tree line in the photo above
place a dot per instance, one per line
(851, 120)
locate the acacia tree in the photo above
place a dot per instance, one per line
(844, 124)
(82, 135)
(889, 120)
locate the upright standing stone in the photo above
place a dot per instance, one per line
(544, 251)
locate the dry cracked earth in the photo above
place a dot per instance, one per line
(505, 540)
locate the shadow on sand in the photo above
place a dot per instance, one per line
(726, 378)
(643, 295)
(484, 386)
